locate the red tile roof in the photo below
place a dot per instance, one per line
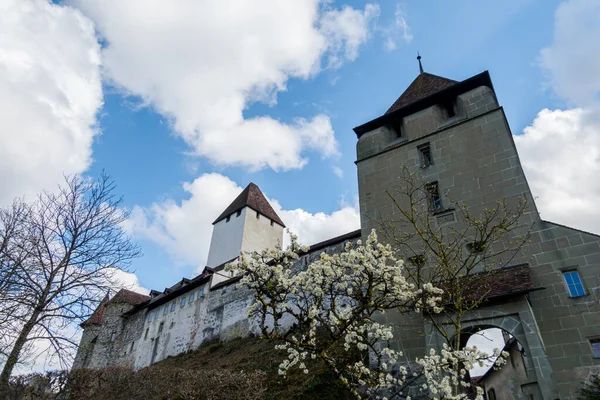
(423, 86)
(251, 197)
(98, 316)
(128, 296)
(496, 283)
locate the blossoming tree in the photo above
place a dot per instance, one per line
(327, 312)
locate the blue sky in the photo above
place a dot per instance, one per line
(161, 96)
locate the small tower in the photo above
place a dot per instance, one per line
(248, 224)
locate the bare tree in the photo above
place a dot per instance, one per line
(58, 258)
(456, 247)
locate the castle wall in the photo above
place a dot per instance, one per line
(134, 340)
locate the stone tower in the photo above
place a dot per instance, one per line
(249, 223)
(456, 135)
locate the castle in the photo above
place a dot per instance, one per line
(456, 134)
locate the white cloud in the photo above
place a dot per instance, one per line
(129, 281)
(184, 229)
(346, 30)
(560, 150)
(338, 171)
(571, 60)
(202, 66)
(397, 30)
(50, 92)
(560, 153)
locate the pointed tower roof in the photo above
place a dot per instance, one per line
(423, 86)
(251, 197)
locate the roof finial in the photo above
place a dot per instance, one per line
(420, 65)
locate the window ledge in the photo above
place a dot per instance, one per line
(442, 211)
(579, 297)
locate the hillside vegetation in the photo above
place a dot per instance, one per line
(238, 369)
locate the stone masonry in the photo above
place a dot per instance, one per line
(474, 161)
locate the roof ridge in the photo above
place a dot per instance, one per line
(251, 197)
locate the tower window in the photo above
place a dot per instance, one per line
(183, 301)
(574, 284)
(150, 317)
(257, 215)
(165, 310)
(595, 343)
(228, 218)
(425, 155)
(272, 222)
(172, 306)
(433, 196)
(448, 106)
(191, 299)
(491, 394)
(238, 213)
(146, 334)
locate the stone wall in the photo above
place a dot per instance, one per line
(129, 337)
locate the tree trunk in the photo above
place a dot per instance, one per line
(12, 359)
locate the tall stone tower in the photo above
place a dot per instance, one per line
(456, 136)
(249, 223)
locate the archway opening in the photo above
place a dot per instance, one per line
(496, 382)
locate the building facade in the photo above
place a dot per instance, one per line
(456, 136)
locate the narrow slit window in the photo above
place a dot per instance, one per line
(574, 284)
(433, 196)
(146, 334)
(257, 215)
(425, 155)
(272, 222)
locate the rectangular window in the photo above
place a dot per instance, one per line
(165, 310)
(201, 292)
(425, 155)
(595, 343)
(491, 394)
(272, 222)
(574, 283)
(183, 301)
(156, 315)
(228, 218)
(238, 213)
(191, 299)
(433, 196)
(150, 316)
(173, 306)
(257, 215)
